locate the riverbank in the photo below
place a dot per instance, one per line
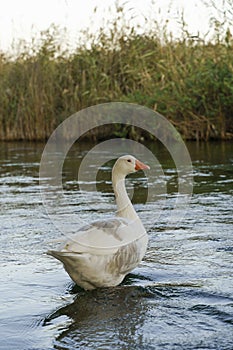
(188, 80)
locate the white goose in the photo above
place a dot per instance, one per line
(102, 253)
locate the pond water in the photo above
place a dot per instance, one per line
(180, 297)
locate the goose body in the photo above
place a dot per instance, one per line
(101, 253)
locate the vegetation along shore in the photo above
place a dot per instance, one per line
(189, 80)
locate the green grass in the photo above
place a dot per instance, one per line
(189, 80)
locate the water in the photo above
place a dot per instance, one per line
(180, 297)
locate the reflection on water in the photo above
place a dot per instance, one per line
(100, 317)
(180, 297)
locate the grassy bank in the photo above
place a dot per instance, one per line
(189, 80)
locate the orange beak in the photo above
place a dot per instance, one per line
(141, 166)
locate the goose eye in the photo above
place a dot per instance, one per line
(129, 160)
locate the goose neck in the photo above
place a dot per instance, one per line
(124, 206)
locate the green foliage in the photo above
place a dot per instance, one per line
(189, 81)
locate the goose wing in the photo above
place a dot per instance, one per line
(104, 237)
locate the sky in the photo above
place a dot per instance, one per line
(22, 19)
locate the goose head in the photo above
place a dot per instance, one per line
(128, 164)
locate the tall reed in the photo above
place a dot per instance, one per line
(189, 80)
